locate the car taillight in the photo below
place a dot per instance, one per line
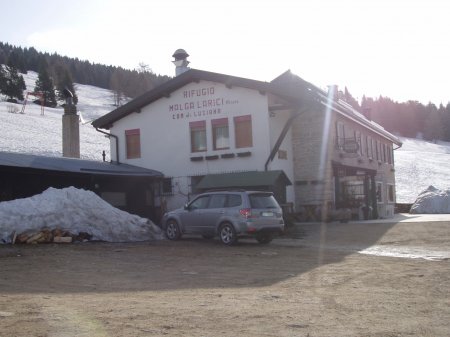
(246, 213)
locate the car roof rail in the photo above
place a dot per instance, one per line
(225, 190)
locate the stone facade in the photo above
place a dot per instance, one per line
(318, 152)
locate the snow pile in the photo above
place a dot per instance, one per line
(77, 211)
(432, 201)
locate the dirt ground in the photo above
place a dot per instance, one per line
(313, 283)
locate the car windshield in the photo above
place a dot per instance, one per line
(262, 200)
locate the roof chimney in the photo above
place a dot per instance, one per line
(181, 62)
(70, 127)
(333, 93)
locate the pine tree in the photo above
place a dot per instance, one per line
(351, 100)
(44, 84)
(64, 80)
(446, 118)
(434, 127)
(116, 85)
(13, 84)
(2, 79)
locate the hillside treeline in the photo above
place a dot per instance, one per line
(124, 82)
(410, 119)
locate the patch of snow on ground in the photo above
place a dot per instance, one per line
(77, 211)
(406, 252)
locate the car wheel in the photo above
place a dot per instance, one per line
(264, 238)
(173, 230)
(227, 234)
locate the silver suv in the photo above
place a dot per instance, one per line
(228, 214)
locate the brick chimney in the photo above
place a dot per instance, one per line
(70, 128)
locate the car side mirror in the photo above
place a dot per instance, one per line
(186, 207)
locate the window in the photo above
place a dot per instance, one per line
(358, 139)
(117, 199)
(351, 191)
(195, 180)
(217, 201)
(166, 186)
(390, 193)
(379, 192)
(390, 155)
(366, 139)
(340, 132)
(234, 200)
(221, 138)
(198, 136)
(377, 150)
(133, 143)
(243, 131)
(262, 200)
(199, 203)
(370, 147)
(282, 154)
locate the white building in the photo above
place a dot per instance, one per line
(206, 130)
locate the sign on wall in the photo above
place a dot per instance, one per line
(200, 102)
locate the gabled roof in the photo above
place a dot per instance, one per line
(290, 84)
(164, 90)
(61, 164)
(287, 86)
(243, 179)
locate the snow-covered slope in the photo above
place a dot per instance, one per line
(33, 133)
(418, 164)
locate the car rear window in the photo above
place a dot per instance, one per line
(262, 200)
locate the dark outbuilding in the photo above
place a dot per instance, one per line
(127, 187)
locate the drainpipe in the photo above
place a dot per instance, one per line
(283, 133)
(117, 142)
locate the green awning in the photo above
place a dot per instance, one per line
(244, 179)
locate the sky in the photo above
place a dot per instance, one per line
(394, 48)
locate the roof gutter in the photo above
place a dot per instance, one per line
(117, 142)
(283, 133)
(401, 144)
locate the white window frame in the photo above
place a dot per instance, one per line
(197, 131)
(388, 187)
(220, 134)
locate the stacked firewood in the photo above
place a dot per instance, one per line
(45, 235)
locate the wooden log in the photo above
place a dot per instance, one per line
(48, 236)
(35, 237)
(23, 237)
(62, 239)
(57, 232)
(13, 237)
